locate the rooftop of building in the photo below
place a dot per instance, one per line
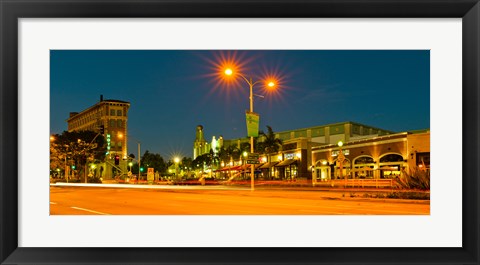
(337, 124)
(323, 126)
(102, 101)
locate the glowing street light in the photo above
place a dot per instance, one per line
(340, 159)
(140, 169)
(251, 84)
(176, 160)
(228, 71)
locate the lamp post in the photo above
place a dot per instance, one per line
(176, 160)
(340, 159)
(251, 84)
(139, 157)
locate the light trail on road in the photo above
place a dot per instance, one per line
(118, 201)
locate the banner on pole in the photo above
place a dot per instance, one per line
(253, 120)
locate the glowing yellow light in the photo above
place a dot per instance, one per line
(245, 154)
(176, 160)
(52, 138)
(340, 143)
(228, 71)
(271, 84)
(120, 135)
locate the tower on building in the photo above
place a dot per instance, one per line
(200, 146)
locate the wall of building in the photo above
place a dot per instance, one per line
(418, 144)
(113, 115)
(400, 151)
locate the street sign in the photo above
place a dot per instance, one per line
(253, 156)
(252, 161)
(150, 175)
(253, 120)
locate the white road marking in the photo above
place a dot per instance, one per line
(87, 210)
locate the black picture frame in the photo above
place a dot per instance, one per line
(12, 10)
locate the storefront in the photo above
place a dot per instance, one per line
(383, 157)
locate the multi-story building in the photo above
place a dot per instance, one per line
(113, 115)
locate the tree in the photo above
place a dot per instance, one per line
(270, 143)
(202, 160)
(76, 148)
(151, 160)
(186, 165)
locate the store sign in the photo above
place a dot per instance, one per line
(345, 152)
(253, 120)
(290, 156)
(108, 143)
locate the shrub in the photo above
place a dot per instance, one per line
(399, 195)
(94, 180)
(415, 179)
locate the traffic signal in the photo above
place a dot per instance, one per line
(117, 160)
(102, 129)
(73, 167)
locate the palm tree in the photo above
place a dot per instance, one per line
(270, 143)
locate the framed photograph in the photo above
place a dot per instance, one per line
(325, 160)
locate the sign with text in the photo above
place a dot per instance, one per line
(150, 175)
(253, 120)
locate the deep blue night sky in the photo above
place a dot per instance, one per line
(171, 92)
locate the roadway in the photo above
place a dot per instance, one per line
(221, 201)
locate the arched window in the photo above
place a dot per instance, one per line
(391, 165)
(363, 167)
(391, 158)
(364, 160)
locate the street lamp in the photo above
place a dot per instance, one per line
(340, 159)
(176, 160)
(139, 157)
(251, 84)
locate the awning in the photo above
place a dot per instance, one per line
(268, 165)
(229, 168)
(362, 169)
(389, 168)
(286, 163)
(257, 166)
